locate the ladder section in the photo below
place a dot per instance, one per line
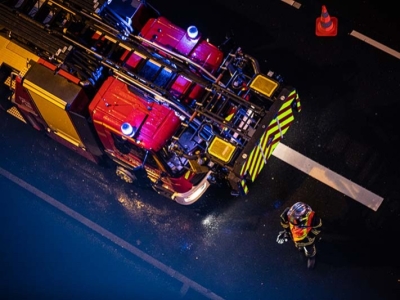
(156, 73)
(34, 35)
(239, 117)
(132, 58)
(87, 47)
(88, 44)
(90, 6)
(51, 45)
(150, 70)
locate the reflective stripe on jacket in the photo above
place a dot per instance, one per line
(299, 232)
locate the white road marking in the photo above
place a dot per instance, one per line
(375, 44)
(327, 177)
(292, 3)
(187, 283)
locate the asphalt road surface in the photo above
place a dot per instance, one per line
(72, 230)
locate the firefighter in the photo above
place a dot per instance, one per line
(302, 226)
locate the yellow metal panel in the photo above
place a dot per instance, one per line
(221, 149)
(264, 85)
(55, 115)
(196, 167)
(14, 55)
(67, 138)
(45, 94)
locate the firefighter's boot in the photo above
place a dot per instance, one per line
(311, 262)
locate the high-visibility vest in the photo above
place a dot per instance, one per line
(299, 232)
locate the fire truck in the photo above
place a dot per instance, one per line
(117, 81)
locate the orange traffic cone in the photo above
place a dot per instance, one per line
(325, 25)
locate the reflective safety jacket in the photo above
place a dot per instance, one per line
(299, 232)
(302, 234)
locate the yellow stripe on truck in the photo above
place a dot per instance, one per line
(14, 55)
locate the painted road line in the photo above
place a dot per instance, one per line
(187, 283)
(292, 3)
(375, 44)
(328, 177)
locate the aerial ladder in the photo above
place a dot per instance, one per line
(88, 39)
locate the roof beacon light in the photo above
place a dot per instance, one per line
(192, 32)
(127, 129)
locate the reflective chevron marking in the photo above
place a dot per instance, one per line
(298, 103)
(244, 186)
(271, 137)
(262, 153)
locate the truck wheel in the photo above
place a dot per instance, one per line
(125, 175)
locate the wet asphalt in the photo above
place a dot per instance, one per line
(349, 123)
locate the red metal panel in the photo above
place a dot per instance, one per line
(133, 60)
(207, 55)
(171, 36)
(115, 104)
(180, 85)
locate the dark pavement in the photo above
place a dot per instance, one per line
(45, 255)
(350, 97)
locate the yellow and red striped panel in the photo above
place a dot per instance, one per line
(298, 104)
(270, 139)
